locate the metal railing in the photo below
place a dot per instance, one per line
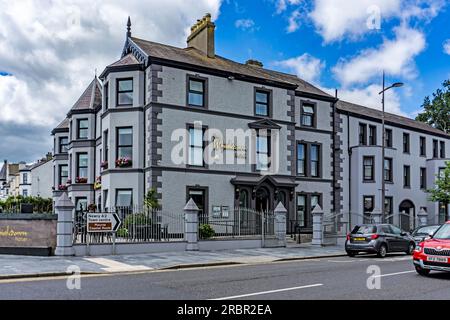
(138, 225)
(241, 222)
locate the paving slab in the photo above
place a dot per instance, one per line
(26, 266)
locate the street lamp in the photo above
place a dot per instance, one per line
(383, 148)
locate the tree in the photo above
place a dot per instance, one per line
(441, 192)
(151, 199)
(437, 111)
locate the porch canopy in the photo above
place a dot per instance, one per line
(254, 180)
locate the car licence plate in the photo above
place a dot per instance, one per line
(359, 239)
(437, 259)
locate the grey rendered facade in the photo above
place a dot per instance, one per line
(157, 98)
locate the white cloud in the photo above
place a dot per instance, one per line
(52, 48)
(369, 97)
(339, 19)
(245, 24)
(335, 19)
(396, 57)
(294, 21)
(283, 4)
(305, 67)
(447, 46)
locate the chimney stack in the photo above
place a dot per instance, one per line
(202, 36)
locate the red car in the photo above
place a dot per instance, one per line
(434, 252)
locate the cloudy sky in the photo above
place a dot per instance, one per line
(50, 50)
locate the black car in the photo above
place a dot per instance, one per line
(379, 239)
(419, 234)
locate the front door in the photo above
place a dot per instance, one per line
(407, 216)
(199, 196)
(262, 200)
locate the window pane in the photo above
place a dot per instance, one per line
(126, 85)
(314, 169)
(83, 124)
(262, 97)
(314, 201)
(125, 98)
(196, 137)
(308, 109)
(301, 201)
(261, 109)
(262, 162)
(83, 172)
(124, 198)
(82, 160)
(307, 120)
(195, 99)
(196, 156)
(314, 153)
(262, 144)
(195, 85)
(125, 136)
(125, 152)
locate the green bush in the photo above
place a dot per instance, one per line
(206, 231)
(137, 219)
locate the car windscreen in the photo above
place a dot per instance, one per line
(425, 231)
(443, 233)
(365, 229)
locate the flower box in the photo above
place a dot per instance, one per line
(62, 187)
(69, 181)
(123, 162)
(81, 180)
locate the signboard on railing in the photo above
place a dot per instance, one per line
(102, 222)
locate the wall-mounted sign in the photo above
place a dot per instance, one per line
(240, 151)
(102, 222)
(216, 211)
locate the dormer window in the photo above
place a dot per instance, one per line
(125, 92)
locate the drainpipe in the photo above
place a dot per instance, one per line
(349, 173)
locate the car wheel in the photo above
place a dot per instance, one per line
(422, 272)
(382, 251)
(351, 253)
(411, 247)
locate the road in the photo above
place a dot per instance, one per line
(325, 278)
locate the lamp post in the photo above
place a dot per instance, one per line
(383, 145)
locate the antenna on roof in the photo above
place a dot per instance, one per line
(95, 73)
(129, 27)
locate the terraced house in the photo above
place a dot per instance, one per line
(192, 124)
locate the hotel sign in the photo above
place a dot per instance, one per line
(240, 151)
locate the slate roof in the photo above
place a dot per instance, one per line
(196, 57)
(389, 117)
(128, 60)
(64, 124)
(3, 172)
(91, 97)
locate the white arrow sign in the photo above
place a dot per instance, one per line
(102, 222)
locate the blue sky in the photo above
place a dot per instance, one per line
(266, 39)
(50, 50)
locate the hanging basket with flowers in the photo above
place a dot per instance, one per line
(80, 180)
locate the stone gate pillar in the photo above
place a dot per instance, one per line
(280, 213)
(191, 225)
(64, 231)
(317, 214)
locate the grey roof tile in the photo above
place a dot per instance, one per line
(389, 117)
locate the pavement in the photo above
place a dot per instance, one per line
(26, 266)
(343, 278)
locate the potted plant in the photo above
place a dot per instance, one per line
(62, 187)
(81, 180)
(206, 231)
(123, 162)
(104, 165)
(69, 182)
